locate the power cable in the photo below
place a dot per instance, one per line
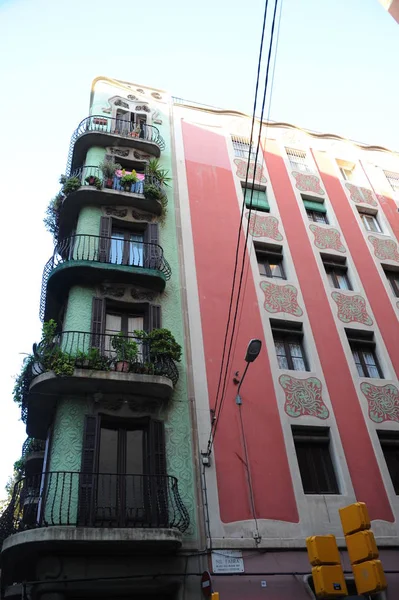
(237, 303)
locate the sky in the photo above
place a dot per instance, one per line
(336, 71)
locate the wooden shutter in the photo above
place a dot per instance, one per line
(87, 478)
(105, 239)
(154, 317)
(152, 251)
(159, 480)
(97, 322)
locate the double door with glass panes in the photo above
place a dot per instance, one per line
(125, 324)
(127, 248)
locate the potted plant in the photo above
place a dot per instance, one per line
(94, 181)
(126, 351)
(108, 167)
(162, 347)
(128, 179)
(70, 184)
(156, 173)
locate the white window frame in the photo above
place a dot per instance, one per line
(366, 227)
(298, 160)
(242, 148)
(393, 180)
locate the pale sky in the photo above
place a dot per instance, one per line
(336, 71)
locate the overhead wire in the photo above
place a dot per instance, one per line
(219, 406)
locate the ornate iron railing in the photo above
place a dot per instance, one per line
(105, 352)
(31, 445)
(69, 498)
(102, 249)
(115, 126)
(89, 174)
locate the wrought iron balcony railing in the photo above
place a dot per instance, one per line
(108, 250)
(31, 445)
(69, 498)
(114, 126)
(88, 175)
(105, 352)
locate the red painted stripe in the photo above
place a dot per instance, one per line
(214, 217)
(368, 273)
(359, 453)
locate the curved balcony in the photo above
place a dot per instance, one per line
(100, 130)
(33, 455)
(110, 192)
(118, 365)
(102, 508)
(81, 258)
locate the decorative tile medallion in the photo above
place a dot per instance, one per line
(264, 226)
(385, 249)
(281, 298)
(303, 397)
(252, 174)
(351, 309)
(327, 238)
(307, 183)
(383, 401)
(361, 195)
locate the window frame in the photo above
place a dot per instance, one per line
(332, 268)
(393, 280)
(308, 438)
(286, 337)
(242, 147)
(391, 178)
(313, 214)
(390, 439)
(364, 216)
(269, 257)
(295, 153)
(362, 346)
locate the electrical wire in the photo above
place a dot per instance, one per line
(237, 303)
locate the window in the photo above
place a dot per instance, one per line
(127, 248)
(363, 351)
(370, 223)
(315, 209)
(389, 441)
(337, 272)
(288, 344)
(118, 458)
(393, 278)
(135, 247)
(241, 148)
(393, 180)
(312, 447)
(256, 199)
(298, 160)
(270, 261)
(347, 170)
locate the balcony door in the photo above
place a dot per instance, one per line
(123, 481)
(126, 324)
(127, 248)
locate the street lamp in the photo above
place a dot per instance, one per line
(253, 349)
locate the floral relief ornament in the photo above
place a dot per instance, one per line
(307, 183)
(351, 309)
(327, 238)
(361, 195)
(385, 249)
(303, 397)
(281, 298)
(383, 402)
(252, 174)
(264, 226)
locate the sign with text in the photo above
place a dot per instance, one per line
(227, 561)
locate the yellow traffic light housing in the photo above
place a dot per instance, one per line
(369, 577)
(361, 546)
(329, 581)
(354, 518)
(322, 550)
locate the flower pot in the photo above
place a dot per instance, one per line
(109, 183)
(91, 180)
(122, 366)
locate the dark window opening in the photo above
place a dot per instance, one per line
(316, 216)
(312, 446)
(389, 441)
(337, 272)
(393, 278)
(270, 261)
(363, 351)
(288, 344)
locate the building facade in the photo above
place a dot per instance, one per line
(392, 6)
(120, 495)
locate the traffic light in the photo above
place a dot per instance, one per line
(362, 549)
(327, 573)
(215, 596)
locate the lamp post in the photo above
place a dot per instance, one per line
(253, 350)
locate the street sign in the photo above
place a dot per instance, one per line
(227, 561)
(206, 584)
